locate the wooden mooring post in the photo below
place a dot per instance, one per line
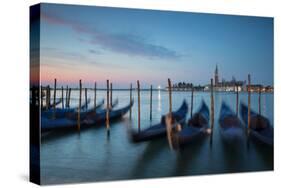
(260, 100)
(48, 97)
(54, 99)
(69, 95)
(249, 104)
(131, 87)
(212, 111)
(107, 108)
(86, 98)
(169, 117)
(150, 115)
(191, 108)
(95, 96)
(62, 99)
(138, 87)
(110, 94)
(55, 91)
(237, 100)
(66, 95)
(170, 96)
(79, 107)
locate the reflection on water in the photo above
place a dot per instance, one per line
(89, 156)
(159, 102)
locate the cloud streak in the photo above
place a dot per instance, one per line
(57, 53)
(62, 55)
(129, 44)
(69, 59)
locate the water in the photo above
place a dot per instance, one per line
(91, 156)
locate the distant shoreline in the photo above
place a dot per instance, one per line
(163, 90)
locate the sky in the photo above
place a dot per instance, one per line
(126, 45)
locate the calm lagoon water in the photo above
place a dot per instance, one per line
(91, 156)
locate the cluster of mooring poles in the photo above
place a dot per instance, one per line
(65, 102)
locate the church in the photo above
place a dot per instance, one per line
(224, 85)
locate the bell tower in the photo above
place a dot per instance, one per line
(216, 76)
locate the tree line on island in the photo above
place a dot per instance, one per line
(187, 86)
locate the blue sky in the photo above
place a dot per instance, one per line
(125, 45)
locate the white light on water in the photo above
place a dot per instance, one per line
(159, 87)
(159, 100)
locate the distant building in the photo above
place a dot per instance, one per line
(232, 85)
(268, 89)
(259, 87)
(223, 85)
(216, 76)
(254, 87)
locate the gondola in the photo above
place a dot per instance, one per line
(159, 130)
(260, 128)
(85, 113)
(231, 128)
(87, 118)
(61, 112)
(100, 117)
(196, 128)
(58, 101)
